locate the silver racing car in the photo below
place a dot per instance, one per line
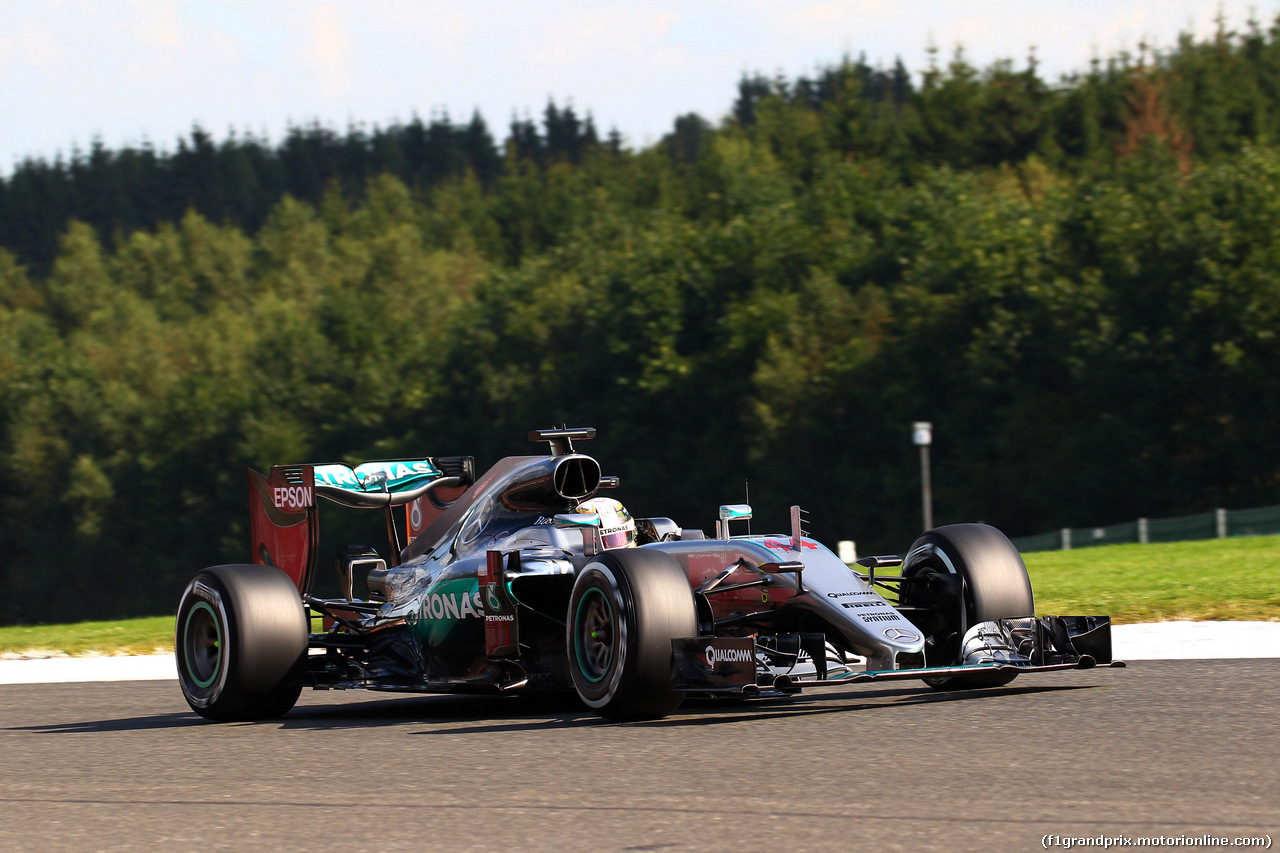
(528, 578)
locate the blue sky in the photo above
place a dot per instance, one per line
(135, 70)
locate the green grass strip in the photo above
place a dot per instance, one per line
(150, 635)
(1227, 579)
(113, 637)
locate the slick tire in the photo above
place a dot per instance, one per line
(240, 643)
(626, 608)
(977, 576)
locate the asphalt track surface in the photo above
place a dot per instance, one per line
(1172, 748)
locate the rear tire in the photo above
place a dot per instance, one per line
(626, 608)
(240, 643)
(976, 576)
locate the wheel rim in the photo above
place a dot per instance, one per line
(202, 644)
(593, 627)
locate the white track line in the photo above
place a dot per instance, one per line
(1147, 641)
(1195, 640)
(97, 668)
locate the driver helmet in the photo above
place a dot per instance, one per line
(617, 527)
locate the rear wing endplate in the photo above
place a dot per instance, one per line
(283, 525)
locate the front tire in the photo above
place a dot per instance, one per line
(240, 643)
(626, 608)
(974, 574)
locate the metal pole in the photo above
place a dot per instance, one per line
(926, 489)
(922, 435)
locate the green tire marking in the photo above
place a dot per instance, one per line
(217, 644)
(577, 630)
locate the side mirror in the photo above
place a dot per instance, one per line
(728, 513)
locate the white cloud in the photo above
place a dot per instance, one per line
(7, 51)
(160, 24)
(330, 46)
(39, 46)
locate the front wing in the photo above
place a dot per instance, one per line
(746, 665)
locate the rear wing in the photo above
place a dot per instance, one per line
(284, 523)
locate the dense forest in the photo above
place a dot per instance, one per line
(1077, 282)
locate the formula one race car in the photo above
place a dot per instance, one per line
(525, 579)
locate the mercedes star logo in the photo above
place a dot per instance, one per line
(901, 635)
